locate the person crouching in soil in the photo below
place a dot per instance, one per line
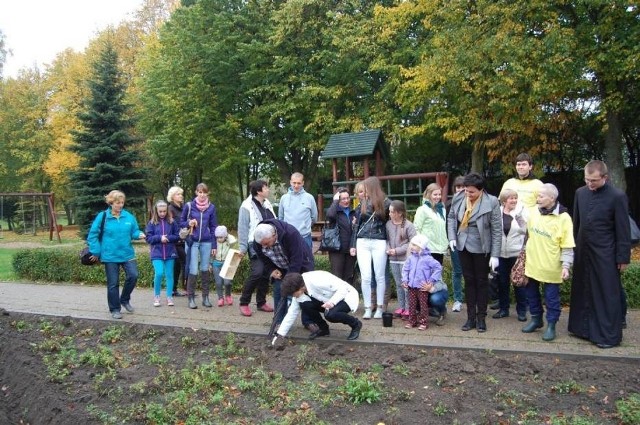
(318, 292)
(421, 275)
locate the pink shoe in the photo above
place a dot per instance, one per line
(221, 302)
(245, 310)
(228, 300)
(266, 308)
(170, 301)
(405, 314)
(398, 312)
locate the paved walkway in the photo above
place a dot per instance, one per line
(503, 335)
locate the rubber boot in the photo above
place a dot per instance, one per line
(191, 283)
(535, 323)
(206, 280)
(550, 333)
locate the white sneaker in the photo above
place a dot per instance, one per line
(457, 306)
(367, 313)
(156, 301)
(378, 314)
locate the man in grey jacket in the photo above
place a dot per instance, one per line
(298, 208)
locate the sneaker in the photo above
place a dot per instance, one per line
(457, 306)
(405, 314)
(367, 313)
(116, 315)
(128, 307)
(245, 310)
(266, 308)
(440, 321)
(378, 314)
(398, 312)
(228, 300)
(170, 302)
(156, 301)
(220, 302)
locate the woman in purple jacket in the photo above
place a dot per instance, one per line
(162, 235)
(200, 217)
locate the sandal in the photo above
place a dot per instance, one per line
(422, 327)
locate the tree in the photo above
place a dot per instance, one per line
(109, 158)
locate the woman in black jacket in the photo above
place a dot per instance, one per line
(175, 198)
(342, 215)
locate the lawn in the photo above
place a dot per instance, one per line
(6, 270)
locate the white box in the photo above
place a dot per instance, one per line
(231, 264)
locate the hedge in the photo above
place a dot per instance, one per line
(48, 265)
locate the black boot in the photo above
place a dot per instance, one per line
(206, 278)
(192, 302)
(550, 333)
(191, 284)
(535, 323)
(482, 325)
(470, 324)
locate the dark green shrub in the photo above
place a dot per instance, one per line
(63, 265)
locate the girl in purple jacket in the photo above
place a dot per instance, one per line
(162, 235)
(421, 275)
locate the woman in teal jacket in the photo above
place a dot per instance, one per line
(111, 244)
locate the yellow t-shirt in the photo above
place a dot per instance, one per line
(548, 235)
(527, 190)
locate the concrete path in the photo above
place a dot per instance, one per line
(90, 302)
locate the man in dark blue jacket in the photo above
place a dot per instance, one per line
(282, 250)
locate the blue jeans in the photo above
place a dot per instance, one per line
(220, 282)
(438, 300)
(551, 299)
(199, 251)
(308, 240)
(403, 296)
(456, 276)
(112, 271)
(163, 269)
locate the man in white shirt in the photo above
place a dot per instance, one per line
(318, 292)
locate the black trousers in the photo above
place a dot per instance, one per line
(179, 268)
(475, 269)
(338, 314)
(257, 280)
(342, 265)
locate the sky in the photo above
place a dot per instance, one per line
(37, 30)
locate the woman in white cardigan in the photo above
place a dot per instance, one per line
(514, 229)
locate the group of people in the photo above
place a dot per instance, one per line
(484, 234)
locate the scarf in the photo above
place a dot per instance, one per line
(467, 213)
(202, 206)
(546, 211)
(439, 208)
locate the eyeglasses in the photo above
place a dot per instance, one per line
(586, 180)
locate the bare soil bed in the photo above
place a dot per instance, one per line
(75, 371)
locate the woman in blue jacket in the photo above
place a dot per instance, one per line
(162, 235)
(200, 217)
(111, 244)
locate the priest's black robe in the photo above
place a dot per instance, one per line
(602, 233)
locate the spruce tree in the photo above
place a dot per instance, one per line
(109, 158)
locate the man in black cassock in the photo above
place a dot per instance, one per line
(603, 250)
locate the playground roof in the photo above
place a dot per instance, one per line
(353, 145)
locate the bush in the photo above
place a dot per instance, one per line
(63, 265)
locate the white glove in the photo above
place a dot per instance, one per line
(493, 263)
(452, 245)
(336, 196)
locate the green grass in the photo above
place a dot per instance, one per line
(6, 268)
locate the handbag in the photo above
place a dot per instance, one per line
(518, 278)
(330, 240)
(85, 254)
